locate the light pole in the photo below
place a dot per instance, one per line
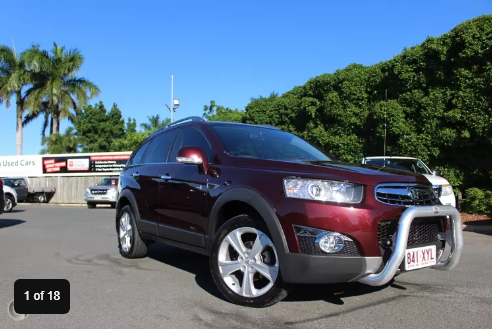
(174, 102)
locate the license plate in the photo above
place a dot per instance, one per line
(420, 257)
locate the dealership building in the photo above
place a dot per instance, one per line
(69, 174)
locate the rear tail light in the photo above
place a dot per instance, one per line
(1, 182)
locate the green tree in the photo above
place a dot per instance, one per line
(129, 141)
(56, 86)
(439, 106)
(154, 123)
(13, 78)
(97, 128)
(214, 112)
(131, 126)
(60, 143)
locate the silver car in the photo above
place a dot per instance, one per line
(104, 192)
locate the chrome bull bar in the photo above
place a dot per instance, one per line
(454, 242)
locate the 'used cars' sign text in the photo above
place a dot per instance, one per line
(23, 165)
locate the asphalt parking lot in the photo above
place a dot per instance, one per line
(173, 289)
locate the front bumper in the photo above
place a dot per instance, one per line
(302, 268)
(109, 198)
(454, 243)
(321, 269)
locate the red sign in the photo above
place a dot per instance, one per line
(110, 157)
(80, 163)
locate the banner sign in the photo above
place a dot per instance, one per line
(78, 164)
(22, 165)
(104, 163)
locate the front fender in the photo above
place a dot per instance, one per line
(261, 205)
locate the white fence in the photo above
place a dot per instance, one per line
(68, 189)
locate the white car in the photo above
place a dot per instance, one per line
(441, 185)
(104, 192)
(10, 196)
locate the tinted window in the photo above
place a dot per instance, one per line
(159, 147)
(137, 158)
(264, 143)
(191, 137)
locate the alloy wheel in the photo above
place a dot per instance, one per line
(248, 262)
(126, 232)
(8, 205)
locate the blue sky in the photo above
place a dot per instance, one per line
(227, 51)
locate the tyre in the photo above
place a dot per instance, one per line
(244, 263)
(41, 198)
(130, 244)
(9, 203)
(91, 205)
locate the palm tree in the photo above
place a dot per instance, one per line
(154, 123)
(61, 143)
(43, 109)
(56, 90)
(13, 78)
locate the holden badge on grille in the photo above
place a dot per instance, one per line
(415, 193)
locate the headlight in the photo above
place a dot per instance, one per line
(322, 190)
(112, 190)
(88, 191)
(446, 190)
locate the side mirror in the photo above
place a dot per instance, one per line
(193, 155)
(436, 173)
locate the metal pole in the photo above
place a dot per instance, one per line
(385, 104)
(172, 99)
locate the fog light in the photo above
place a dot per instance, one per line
(330, 242)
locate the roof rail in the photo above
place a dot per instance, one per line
(194, 119)
(268, 126)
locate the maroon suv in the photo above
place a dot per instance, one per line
(269, 208)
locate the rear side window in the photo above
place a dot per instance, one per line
(138, 157)
(190, 136)
(375, 162)
(159, 147)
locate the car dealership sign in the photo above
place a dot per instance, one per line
(78, 164)
(22, 165)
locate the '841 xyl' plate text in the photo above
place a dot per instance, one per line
(420, 257)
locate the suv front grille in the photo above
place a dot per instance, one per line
(422, 231)
(406, 194)
(98, 192)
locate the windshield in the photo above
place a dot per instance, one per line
(108, 182)
(265, 143)
(413, 165)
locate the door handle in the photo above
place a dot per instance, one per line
(136, 174)
(166, 177)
